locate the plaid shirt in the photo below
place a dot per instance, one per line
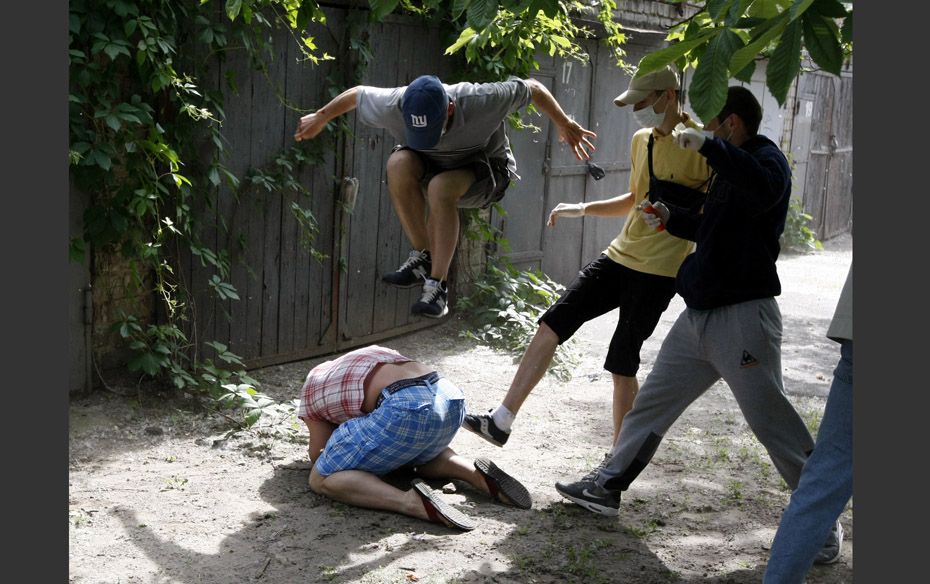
(334, 390)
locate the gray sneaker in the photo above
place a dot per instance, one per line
(830, 552)
(412, 272)
(433, 301)
(590, 496)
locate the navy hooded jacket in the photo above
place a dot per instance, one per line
(737, 234)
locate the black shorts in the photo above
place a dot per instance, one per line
(601, 286)
(492, 178)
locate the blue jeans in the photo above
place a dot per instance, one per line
(825, 486)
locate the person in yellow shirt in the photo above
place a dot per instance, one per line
(636, 273)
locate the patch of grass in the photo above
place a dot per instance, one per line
(812, 418)
(648, 528)
(175, 482)
(735, 492)
(328, 573)
(581, 561)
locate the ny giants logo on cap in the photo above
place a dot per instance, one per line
(418, 121)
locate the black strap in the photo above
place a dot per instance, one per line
(700, 187)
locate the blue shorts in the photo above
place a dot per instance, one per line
(416, 420)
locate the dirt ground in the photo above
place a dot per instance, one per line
(159, 493)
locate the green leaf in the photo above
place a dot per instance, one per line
(458, 7)
(768, 8)
(785, 63)
(481, 13)
(658, 59)
(252, 417)
(798, 8)
(464, 38)
(820, 39)
(745, 74)
(708, 90)
(113, 122)
(737, 9)
(232, 8)
(762, 36)
(828, 8)
(716, 8)
(147, 362)
(101, 159)
(381, 8)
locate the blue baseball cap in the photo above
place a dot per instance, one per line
(424, 106)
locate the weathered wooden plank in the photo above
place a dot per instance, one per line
(238, 207)
(268, 134)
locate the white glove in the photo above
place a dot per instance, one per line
(654, 214)
(690, 138)
(566, 210)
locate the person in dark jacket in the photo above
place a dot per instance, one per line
(731, 327)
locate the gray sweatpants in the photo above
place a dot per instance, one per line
(740, 343)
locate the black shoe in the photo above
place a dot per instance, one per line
(830, 552)
(485, 427)
(592, 497)
(439, 511)
(433, 301)
(504, 488)
(412, 272)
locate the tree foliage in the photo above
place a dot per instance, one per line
(724, 38)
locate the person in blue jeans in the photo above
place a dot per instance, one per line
(826, 484)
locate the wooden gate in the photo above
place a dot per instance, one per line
(292, 306)
(822, 151)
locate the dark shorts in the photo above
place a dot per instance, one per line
(602, 286)
(491, 178)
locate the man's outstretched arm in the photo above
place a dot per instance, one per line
(570, 131)
(312, 124)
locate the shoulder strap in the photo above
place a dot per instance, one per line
(649, 148)
(704, 186)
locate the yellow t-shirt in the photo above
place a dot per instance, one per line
(638, 246)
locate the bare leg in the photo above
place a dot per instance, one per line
(364, 489)
(444, 192)
(404, 171)
(625, 389)
(532, 367)
(449, 465)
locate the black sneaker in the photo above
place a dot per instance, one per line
(433, 301)
(590, 496)
(412, 272)
(830, 552)
(485, 427)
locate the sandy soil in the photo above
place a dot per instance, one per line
(159, 493)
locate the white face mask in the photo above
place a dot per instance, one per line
(647, 117)
(712, 133)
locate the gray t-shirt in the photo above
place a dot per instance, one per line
(477, 125)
